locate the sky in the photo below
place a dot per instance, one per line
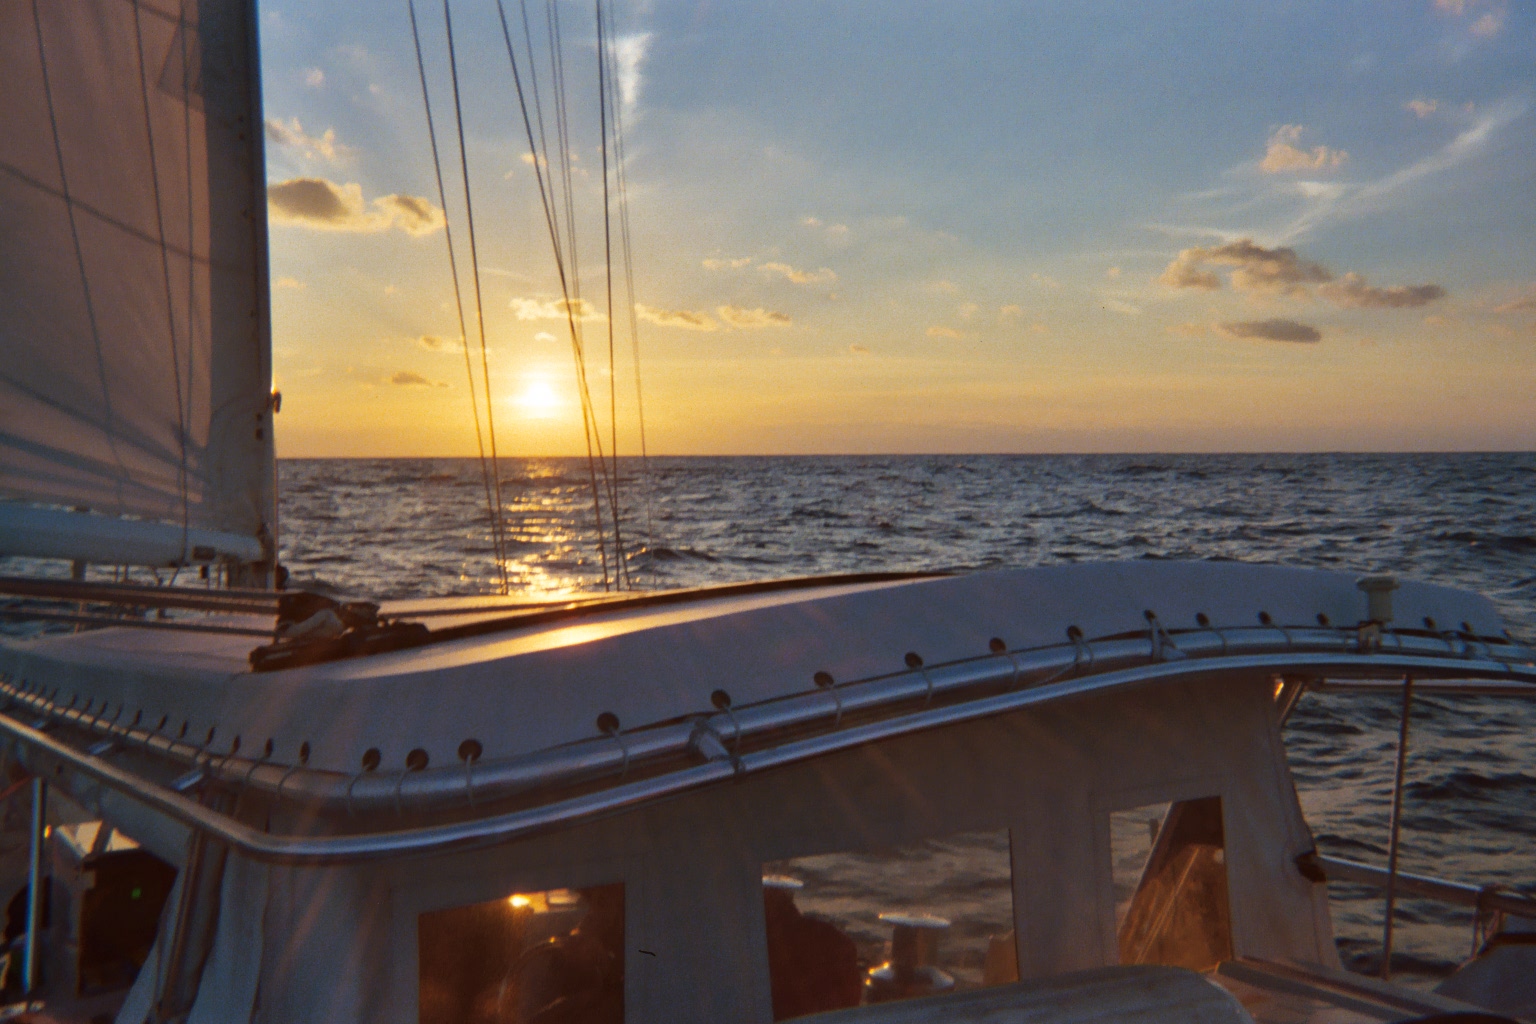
(876, 227)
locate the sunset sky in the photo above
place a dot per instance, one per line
(865, 227)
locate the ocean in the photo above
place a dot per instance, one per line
(397, 527)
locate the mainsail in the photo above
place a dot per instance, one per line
(134, 305)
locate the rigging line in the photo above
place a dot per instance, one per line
(634, 327)
(541, 151)
(186, 133)
(597, 466)
(165, 272)
(621, 569)
(474, 260)
(551, 220)
(497, 542)
(107, 426)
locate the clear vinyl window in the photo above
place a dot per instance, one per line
(844, 929)
(554, 956)
(1170, 878)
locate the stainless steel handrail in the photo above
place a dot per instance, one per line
(1459, 893)
(496, 828)
(644, 748)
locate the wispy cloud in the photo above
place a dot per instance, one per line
(752, 319)
(686, 319)
(796, 276)
(314, 78)
(1352, 291)
(438, 343)
(554, 309)
(412, 379)
(1422, 108)
(628, 55)
(318, 203)
(859, 350)
(1283, 156)
(1270, 330)
(288, 282)
(730, 264)
(291, 135)
(942, 332)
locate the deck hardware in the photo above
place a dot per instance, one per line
(1322, 620)
(1082, 652)
(1204, 622)
(415, 761)
(189, 781)
(1159, 638)
(824, 681)
(708, 745)
(608, 725)
(997, 645)
(1396, 828)
(303, 760)
(469, 752)
(35, 885)
(722, 700)
(1265, 619)
(1310, 867)
(915, 662)
(101, 748)
(371, 760)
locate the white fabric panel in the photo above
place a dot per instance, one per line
(134, 362)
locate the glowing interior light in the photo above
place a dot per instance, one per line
(519, 900)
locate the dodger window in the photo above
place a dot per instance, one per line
(555, 955)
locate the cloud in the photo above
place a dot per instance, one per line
(1112, 272)
(1040, 328)
(314, 78)
(1422, 108)
(823, 276)
(545, 336)
(1489, 25)
(322, 204)
(1122, 307)
(629, 53)
(859, 350)
(1270, 330)
(687, 319)
(837, 230)
(554, 309)
(1521, 304)
(293, 136)
(752, 319)
(412, 379)
(942, 332)
(1010, 310)
(966, 310)
(1352, 291)
(945, 286)
(1255, 268)
(1045, 280)
(437, 343)
(811, 222)
(1283, 156)
(735, 264)
(1189, 330)
(288, 282)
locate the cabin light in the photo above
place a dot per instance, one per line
(518, 900)
(1279, 685)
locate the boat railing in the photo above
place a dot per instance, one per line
(619, 768)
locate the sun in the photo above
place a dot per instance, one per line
(538, 400)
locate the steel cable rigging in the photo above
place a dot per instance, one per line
(493, 505)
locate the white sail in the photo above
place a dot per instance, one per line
(135, 366)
